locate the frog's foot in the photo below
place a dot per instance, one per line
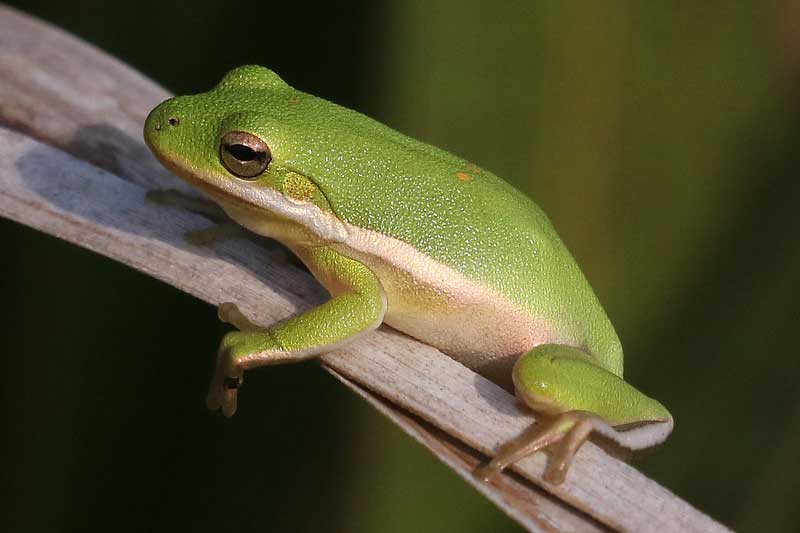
(228, 375)
(563, 434)
(229, 372)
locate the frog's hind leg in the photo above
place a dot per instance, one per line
(575, 397)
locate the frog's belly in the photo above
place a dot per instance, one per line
(469, 322)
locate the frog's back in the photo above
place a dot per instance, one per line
(455, 214)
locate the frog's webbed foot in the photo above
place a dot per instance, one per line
(563, 434)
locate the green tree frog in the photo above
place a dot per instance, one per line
(403, 233)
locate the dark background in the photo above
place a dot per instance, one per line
(661, 138)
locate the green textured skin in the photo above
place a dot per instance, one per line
(563, 376)
(357, 309)
(358, 305)
(446, 208)
(377, 178)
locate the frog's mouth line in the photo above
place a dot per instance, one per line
(178, 167)
(325, 225)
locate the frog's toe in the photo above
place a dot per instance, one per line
(229, 400)
(227, 378)
(564, 449)
(223, 392)
(229, 313)
(562, 434)
(540, 435)
(216, 390)
(213, 399)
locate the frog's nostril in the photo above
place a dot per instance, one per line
(174, 121)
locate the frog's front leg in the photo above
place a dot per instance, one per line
(576, 397)
(357, 305)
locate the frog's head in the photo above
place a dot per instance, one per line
(237, 143)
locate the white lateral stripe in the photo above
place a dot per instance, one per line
(391, 250)
(638, 438)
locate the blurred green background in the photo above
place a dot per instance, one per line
(661, 138)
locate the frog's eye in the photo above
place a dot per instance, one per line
(244, 155)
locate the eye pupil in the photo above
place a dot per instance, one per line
(244, 155)
(242, 152)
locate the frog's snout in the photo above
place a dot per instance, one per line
(160, 119)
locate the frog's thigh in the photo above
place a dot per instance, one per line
(576, 397)
(554, 378)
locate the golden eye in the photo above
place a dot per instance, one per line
(244, 155)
